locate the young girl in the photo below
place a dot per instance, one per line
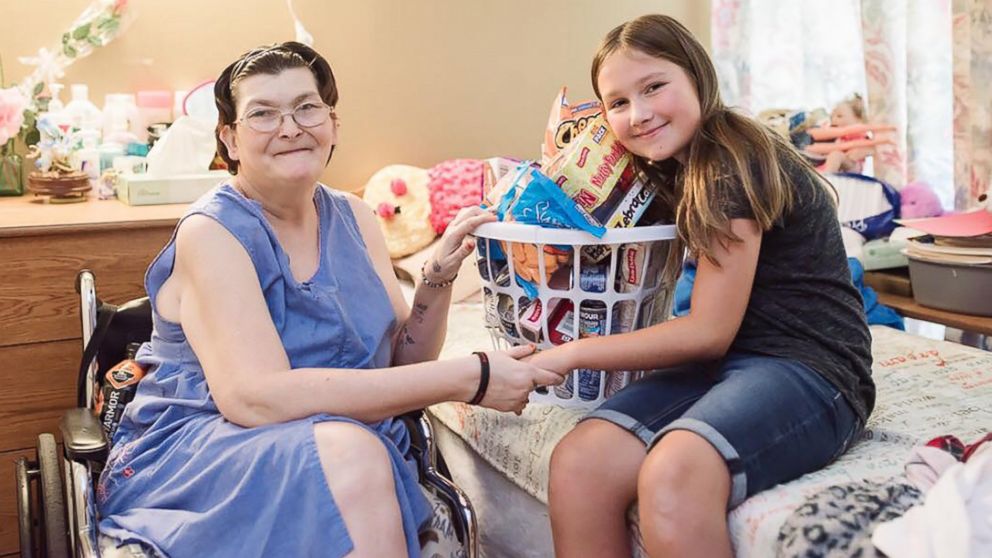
(767, 377)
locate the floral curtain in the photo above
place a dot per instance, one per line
(924, 66)
(972, 71)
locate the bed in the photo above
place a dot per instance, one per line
(926, 388)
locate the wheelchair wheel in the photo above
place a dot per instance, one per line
(25, 523)
(52, 498)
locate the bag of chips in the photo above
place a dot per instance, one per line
(565, 123)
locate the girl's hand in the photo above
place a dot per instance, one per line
(558, 359)
(455, 244)
(511, 380)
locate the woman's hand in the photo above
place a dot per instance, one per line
(455, 244)
(511, 380)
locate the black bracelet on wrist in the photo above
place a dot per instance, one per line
(483, 378)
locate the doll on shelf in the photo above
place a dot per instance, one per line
(843, 144)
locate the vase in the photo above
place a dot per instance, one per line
(11, 175)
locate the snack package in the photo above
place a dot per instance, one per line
(532, 316)
(636, 199)
(507, 189)
(596, 171)
(541, 203)
(525, 261)
(630, 267)
(493, 170)
(565, 123)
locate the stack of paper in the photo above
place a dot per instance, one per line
(953, 239)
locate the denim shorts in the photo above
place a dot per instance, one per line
(772, 419)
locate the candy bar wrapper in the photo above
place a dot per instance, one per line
(542, 203)
(565, 123)
(591, 168)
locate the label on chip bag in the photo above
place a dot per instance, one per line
(591, 168)
(541, 203)
(565, 123)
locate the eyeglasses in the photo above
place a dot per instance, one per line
(307, 115)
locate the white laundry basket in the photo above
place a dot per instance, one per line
(624, 291)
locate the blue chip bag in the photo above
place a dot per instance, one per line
(543, 203)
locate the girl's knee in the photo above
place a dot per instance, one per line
(683, 471)
(579, 455)
(596, 456)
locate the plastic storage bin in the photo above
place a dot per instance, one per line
(948, 286)
(581, 286)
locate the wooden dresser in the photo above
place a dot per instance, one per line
(42, 247)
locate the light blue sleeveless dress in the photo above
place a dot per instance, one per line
(187, 482)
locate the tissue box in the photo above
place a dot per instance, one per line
(143, 189)
(883, 253)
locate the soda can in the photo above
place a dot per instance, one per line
(592, 318)
(501, 270)
(504, 309)
(592, 278)
(589, 381)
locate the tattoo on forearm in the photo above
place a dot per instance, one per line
(419, 310)
(405, 338)
(436, 267)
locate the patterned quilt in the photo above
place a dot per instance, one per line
(925, 389)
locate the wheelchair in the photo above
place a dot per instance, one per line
(59, 517)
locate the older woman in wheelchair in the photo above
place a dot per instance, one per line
(283, 349)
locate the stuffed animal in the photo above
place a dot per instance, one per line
(453, 185)
(398, 195)
(918, 200)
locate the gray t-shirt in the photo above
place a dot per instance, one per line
(803, 305)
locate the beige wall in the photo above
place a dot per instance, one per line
(421, 80)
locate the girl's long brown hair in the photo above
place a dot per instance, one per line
(729, 150)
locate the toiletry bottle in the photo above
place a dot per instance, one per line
(154, 107)
(118, 113)
(80, 113)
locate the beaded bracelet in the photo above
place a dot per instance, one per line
(483, 378)
(431, 284)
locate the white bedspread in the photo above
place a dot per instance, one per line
(925, 389)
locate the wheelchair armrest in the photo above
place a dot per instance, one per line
(82, 436)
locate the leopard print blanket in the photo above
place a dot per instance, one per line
(838, 521)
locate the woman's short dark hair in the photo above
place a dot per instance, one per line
(271, 60)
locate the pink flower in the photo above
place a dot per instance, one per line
(12, 105)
